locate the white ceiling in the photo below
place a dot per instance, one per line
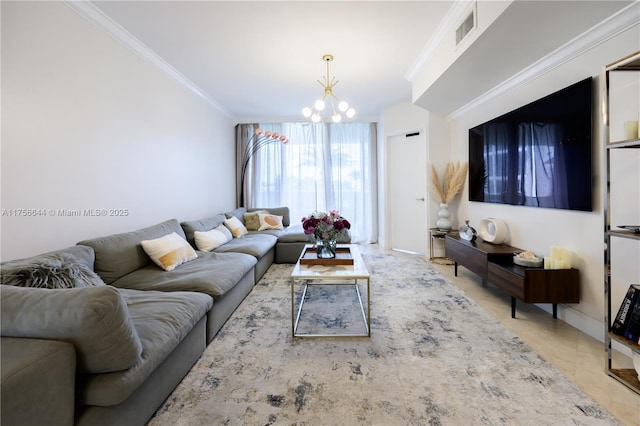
(260, 60)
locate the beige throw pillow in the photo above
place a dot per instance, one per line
(236, 227)
(251, 220)
(269, 221)
(212, 239)
(169, 251)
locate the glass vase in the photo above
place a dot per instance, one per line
(326, 249)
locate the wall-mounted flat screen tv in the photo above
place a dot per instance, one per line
(539, 155)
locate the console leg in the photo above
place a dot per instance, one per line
(513, 307)
(555, 311)
(455, 269)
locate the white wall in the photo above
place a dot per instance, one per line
(537, 229)
(87, 124)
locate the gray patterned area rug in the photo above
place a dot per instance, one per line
(434, 358)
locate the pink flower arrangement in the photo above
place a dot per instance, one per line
(325, 226)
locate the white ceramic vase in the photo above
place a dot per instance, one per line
(444, 223)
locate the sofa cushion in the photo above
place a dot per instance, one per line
(269, 221)
(169, 251)
(189, 227)
(209, 240)
(251, 220)
(235, 226)
(52, 270)
(211, 273)
(94, 319)
(162, 321)
(294, 234)
(256, 245)
(119, 254)
(38, 382)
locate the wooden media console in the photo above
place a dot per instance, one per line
(494, 264)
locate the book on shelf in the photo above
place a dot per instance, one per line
(633, 328)
(621, 321)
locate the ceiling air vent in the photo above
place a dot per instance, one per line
(466, 26)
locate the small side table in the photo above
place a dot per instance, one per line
(437, 235)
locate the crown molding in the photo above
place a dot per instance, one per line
(605, 30)
(96, 16)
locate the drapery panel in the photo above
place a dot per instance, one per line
(323, 166)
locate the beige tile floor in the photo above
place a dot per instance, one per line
(577, 355)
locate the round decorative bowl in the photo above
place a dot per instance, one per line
(528, 263)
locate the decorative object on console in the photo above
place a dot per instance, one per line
(324, 229)
(493, 230)
(527, 259)
(560, 258)
(313, 111)
(467, 232)
(259, 140)
(445, 191)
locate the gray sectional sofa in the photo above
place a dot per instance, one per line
(111, 345)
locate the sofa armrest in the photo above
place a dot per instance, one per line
(38, 382)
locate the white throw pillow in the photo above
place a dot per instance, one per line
(225, 231)
(212, 239)
(169, 251)
(269, 221)
(236, 227)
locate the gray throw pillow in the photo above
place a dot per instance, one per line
(54, 270)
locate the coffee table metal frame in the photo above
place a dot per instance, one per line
(349, 275)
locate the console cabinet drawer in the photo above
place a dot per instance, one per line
(536, 285)
(472, 259)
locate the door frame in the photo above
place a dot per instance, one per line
(389, 175)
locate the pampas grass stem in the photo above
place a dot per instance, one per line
(452, 182)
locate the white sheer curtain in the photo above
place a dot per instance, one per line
(324, 166)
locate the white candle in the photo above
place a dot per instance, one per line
(630, 130)
(547, 263)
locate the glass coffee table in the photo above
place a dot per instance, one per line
(306, 280)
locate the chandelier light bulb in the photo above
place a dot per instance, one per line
(343, 106)
(336, 117)
(319, 104)
(351, 112)
(306, 111)
(315, 118)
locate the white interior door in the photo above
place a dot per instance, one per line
(407, 192)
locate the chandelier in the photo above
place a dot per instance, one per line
(314, 110)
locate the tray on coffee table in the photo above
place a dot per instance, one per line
(343, 257)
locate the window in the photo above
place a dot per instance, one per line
(324, 166)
